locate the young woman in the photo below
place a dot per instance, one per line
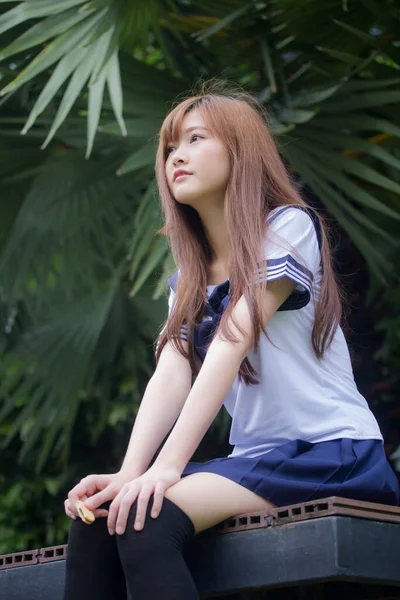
(254, 313)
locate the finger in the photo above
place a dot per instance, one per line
(124, 508)
(100, 512)
(72, 511)
(142, 503)
(87, 486)
(68, 510)
(70, 515)
(157, 502)
(68, 507)
(98, 499)
(72, 506)
(114, 509)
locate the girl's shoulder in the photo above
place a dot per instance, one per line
(275, 215)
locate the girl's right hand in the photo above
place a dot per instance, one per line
(90, 485)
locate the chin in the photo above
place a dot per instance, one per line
(185, 202)
(186, 199)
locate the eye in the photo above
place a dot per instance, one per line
(168, 151)
(195, 135)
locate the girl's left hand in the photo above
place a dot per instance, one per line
(156, 481)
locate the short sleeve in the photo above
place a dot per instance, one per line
(171, 302)
(291, 249)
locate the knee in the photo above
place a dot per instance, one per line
(169, 532)
(134, 546)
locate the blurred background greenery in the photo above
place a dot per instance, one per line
(84, 89)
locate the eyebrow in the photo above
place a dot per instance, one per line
(191, 128)
(196, 127)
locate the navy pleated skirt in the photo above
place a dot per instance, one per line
(300, 471)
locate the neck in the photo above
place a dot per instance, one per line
(216, 232)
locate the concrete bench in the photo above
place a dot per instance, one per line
(334, 546)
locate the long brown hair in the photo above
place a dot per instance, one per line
(258, 183)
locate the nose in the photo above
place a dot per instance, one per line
(178, 158)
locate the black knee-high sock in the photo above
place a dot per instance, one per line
(152, 558)
(93, 568)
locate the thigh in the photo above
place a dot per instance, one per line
(208, 499)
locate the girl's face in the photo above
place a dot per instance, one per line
(206, 160)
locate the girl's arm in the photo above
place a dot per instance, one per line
(216, 376)
(162, 402)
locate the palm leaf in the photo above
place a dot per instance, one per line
(97, 30)
(44, 30)
(222, 23)
(63, 70)
(54, 51)
(78, 80)
(69, 340)
(115, 90)
(336, 204)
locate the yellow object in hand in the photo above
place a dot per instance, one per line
(85, 514)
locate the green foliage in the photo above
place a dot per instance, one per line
(32, 508)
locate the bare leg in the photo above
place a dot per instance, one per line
(208, 499)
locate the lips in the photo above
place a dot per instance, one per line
(179, 173)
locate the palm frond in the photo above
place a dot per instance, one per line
(82, 39)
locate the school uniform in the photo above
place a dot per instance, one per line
(305, 431)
